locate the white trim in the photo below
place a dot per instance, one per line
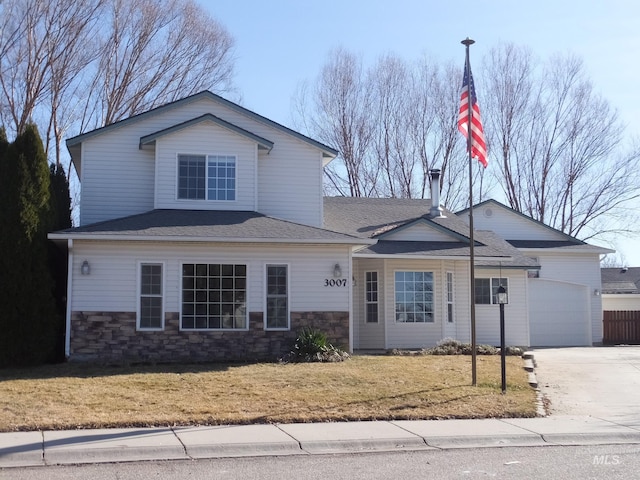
(430, 257)
(213, 262)
(178, 238)
(447, 302)
(139, 295)
(433, 294)
(377, 302)
(206, 200)
(265, 293)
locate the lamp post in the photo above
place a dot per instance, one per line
(502, 298)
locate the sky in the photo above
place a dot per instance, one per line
(282, 43)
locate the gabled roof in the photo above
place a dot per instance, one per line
(378, 217)
(263, 143)
(625, 280)
(491, 201)
(206, 226)
(327, 151)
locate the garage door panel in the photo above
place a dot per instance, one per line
(558, 313)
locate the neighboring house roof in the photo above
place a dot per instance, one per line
(327, 151)
(206, 226)
(379, 217)
(263, 143)
(625, 280)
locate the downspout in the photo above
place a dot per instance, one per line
(67, 330)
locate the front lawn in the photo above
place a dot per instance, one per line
(70, 396)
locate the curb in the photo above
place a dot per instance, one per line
(530, 366)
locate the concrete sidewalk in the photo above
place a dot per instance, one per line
(21, 449)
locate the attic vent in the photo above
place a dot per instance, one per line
(488, 212)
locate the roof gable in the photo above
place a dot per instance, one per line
(424, 230)
(263, 143)
(327, 152)
(512, 225)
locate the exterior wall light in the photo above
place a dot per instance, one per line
(85, 269)
(596, 292)
(337, 271)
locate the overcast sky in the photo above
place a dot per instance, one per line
(280, 43)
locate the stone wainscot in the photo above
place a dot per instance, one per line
(112, 337)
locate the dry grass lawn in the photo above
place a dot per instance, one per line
(364, 388)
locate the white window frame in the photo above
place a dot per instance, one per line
(207, 159)
(287, 296)
(433, 300)
(246, 293)
(139, 295)
(449, 296)
(368, 302)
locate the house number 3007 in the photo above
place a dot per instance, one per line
(333, 282)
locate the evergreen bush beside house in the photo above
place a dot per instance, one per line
(28, 322)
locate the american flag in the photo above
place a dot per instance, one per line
(478, 145)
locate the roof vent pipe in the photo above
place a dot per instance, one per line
(435, 211)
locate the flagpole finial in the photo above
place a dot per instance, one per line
(467, 41)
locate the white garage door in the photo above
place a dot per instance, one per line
(559, 313)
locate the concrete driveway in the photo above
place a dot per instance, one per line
(598, 381)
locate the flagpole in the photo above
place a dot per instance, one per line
(474, 377)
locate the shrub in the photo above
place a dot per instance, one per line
(451, 346)
(311, 345)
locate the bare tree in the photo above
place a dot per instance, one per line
(153, 52)
(340, 116)
(93, 62)
(558, 143)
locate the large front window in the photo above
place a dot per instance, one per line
(214, 296)
(414, 297)
(211, 177)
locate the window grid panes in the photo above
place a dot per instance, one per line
(213, 296)
(371, 297)
(414, 297)
(191, 177)
(277, 297)
(486, 290)
(212, 177)
(150, 296)
(221, 178)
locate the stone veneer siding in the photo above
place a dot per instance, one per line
(112, 337)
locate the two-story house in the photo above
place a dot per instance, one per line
(204, 235)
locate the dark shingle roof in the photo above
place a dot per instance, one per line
(620, 280)
(375, 217)
(206, 225)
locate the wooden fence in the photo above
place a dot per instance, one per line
(621, 327)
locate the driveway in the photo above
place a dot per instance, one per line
(598, 381)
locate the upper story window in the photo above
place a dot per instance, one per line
(207, 177)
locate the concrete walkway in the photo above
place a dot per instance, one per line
(21, 449)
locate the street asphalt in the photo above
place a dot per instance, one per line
(39, 448)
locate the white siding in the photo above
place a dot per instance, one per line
(419, 232)
(515, 312)
(118, 177)
(509, 225)
(111, 286)
(628, 301)
(205, 139)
